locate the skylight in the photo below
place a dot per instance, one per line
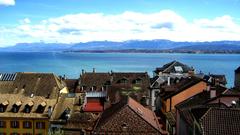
(178, 69)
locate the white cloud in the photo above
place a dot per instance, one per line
(7, 2)
(25, 21)
(84, 27)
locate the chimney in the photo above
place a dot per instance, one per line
(168, 81)
(83, 71)
(79, 101)
(217, 82)
(190, 73)
(213, 92)
(102, 88)
(49, 111)
(94, 70)
(208, 88)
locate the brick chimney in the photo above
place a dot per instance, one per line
(213, 92)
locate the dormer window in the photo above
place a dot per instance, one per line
(28, 107)
(3, 106)
(41, 107)
(124, 126)
(66, 114)
(94, 88)
(138, 81)
(83, 88)
(123, 80)
(178, 69)
(16, 106)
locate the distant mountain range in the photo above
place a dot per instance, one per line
(137, 45)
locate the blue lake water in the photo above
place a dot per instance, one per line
(71, 64)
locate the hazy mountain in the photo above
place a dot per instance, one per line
(36, 47)
(132, 44)
(227, 46)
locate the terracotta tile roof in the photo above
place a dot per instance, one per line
(131, 77)
(92, 79)
(81, 121)
(131, 88)
(170, 68)
(38, 84)
(145, 113)
(116, 92)
(139, 110)
(71, 84)
(218, 121)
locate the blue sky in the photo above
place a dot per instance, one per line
(90, 20)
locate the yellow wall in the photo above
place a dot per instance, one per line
(33, 130)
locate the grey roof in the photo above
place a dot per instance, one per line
(174, 67)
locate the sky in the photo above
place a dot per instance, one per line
(74, 21)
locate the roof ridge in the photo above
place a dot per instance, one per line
(173, 62)
(112, 114)
(206, 113)
(155, 117)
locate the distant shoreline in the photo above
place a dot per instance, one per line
(155, 51)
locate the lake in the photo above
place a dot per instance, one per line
(71, 64)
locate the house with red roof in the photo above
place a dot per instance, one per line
(128, 117)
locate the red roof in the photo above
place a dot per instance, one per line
(93, 107)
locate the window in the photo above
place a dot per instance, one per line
(27, 109)
(15, 108)
(40, 109)
(94, 88)
(124, 81)
(138, 81)
(27, 134)
(156, 93)
(14, 134)
(14, 124)
(27, 124)
(178, 69)
(124, 126)
(40, 125)
(2, 124)
(2, 108)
